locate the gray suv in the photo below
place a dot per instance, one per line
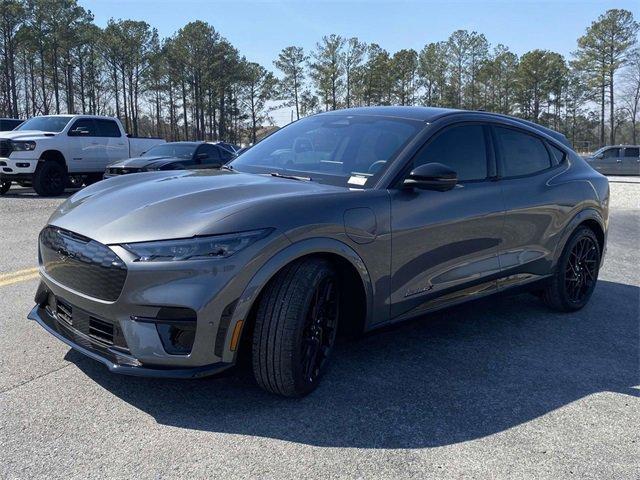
(617, 160)
(344, 221)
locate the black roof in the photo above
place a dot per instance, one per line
(184, 143)
(429, 114)
(425, 114)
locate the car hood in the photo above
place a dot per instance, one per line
(25, 135)
(144, 162)
(173, 204)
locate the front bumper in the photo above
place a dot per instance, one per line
(15, 167)
(115, 361)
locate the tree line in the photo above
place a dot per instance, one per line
(197, 85)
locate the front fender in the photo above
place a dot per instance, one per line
(284, 257)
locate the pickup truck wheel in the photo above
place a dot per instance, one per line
(50, 179)
(295, 329)
(5, 185)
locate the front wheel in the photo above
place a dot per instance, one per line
(5, 185)
(296, 326)
(576, 275)
(50, 179)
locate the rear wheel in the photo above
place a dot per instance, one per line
(50, 179)
(295, 329)
(576, 273)
(5, 185)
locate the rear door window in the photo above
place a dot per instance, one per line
(520, 153)
(213, 156)
(107, 128)
(633, 152)
(461, 148)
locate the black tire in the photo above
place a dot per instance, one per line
(50, 179)
(576, 274)
(5, 185)
(295, 328)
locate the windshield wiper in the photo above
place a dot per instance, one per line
(226, 167)
(291, 177)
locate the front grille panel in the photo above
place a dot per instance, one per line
(64, 312)
(86, 327)
(100, 330)
(5, 148)
(82, 264)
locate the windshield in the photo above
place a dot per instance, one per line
(346, 150)
(45, 124)
(177, 150)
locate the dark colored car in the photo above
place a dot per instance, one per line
(347, 220)
(616, 160)
(8, 124)
(175, 156)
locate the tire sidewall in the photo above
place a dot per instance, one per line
(302, 385)
(5, 186)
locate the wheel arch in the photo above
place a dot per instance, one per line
(590, 218)
(351, 269)
(54, 156)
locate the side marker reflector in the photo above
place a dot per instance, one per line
(235, 338)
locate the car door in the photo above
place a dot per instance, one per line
(88, 150)
(116, 146)
(630, 164)
(534, 205)
(445, 244)
(607, 161)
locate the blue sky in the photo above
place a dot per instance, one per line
(260, 29)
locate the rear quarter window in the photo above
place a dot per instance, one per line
(557, 154)
(520, 153)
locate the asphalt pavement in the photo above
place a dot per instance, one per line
(500, 388)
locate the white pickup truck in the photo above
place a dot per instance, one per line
(54, 151)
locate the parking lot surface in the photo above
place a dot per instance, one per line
(500, 388)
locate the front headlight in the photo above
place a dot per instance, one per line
(215, 246)
(23, 146)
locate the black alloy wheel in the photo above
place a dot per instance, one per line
(320, 329)
(581, 270)
(295, 327)
(571, 286)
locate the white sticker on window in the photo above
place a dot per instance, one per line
(357, 180)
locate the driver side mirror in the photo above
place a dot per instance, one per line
(431, 176)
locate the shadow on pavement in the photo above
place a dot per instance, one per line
(17, 192)
(450, 377)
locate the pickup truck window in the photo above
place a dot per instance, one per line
(107, 128)
(85, 127)
(45, 124)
